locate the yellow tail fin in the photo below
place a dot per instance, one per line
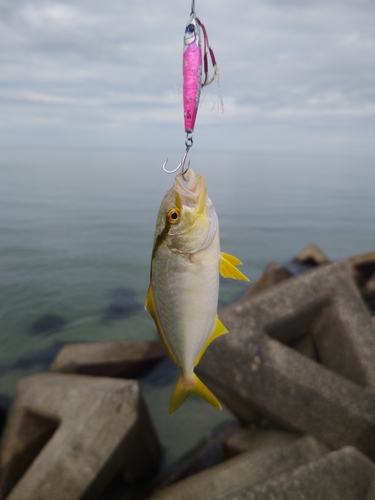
(186, 387)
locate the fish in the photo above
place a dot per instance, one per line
(186, 264)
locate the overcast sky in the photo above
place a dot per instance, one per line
(296, 75)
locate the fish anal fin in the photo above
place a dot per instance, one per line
(228, 269)
(219, 330)
(185, 387)
(151, 308)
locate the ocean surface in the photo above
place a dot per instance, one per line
(76, 233)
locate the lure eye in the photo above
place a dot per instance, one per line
(173, 215)
(190, 28)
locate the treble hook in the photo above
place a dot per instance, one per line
(188, 144)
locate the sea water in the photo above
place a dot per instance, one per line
(76, 227)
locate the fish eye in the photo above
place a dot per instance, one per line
(190, 28)
(173, 215)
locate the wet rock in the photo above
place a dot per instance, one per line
(274, 273)
(123, 304)
(48, 324)
(256, 438)
(311, 255)
(68, 435)
(340, 475)
(247, 468)
(333, 400)
(109, 359)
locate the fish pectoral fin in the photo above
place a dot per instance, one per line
(151, 308)
(219, 330)
(228, 269)
(185, 387)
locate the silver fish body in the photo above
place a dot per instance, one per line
(184, 280)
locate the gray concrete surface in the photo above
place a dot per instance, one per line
(109, 359)
(340, 475)
(68, 435)
(251, 369)
(274, 273)
(247, 468)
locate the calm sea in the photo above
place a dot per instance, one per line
(76, 231)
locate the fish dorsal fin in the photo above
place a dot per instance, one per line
(219, 330)
(228, 267)
(151, 308)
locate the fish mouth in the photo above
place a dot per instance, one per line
(191, 190)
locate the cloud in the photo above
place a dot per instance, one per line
(106, 66)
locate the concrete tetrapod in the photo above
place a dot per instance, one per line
(274, 273)
(340, 475)
(87, 428)
(312, 255)
(109, 359)
(247, 468)
(208, 452)
(363, 272)
(251, 368)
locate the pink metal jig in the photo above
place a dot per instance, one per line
(192, 63)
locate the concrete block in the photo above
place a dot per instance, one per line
(274, 273)
(109, 359)
(237, 472)
(363, 272)
(207, 453)
(340, 475)
(68, 435)
(253, 367)
(311, 255)
(369, 287)
(254, 438)
(306, 346)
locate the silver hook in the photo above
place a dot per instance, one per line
(188, 144)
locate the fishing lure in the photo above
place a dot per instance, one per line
(193, 80)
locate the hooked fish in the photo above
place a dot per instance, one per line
(184, 280)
